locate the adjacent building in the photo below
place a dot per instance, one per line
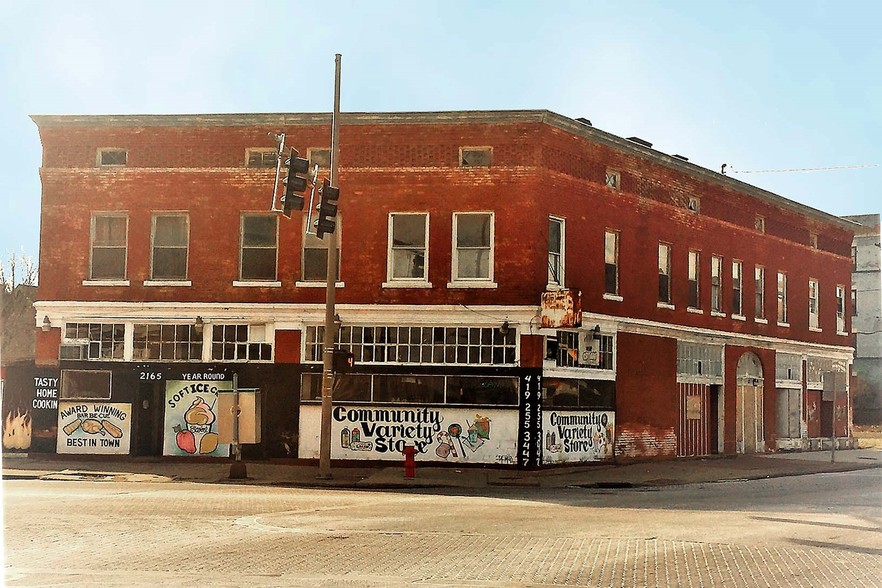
(517, 287)
(866, 304)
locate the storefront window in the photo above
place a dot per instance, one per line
(182, 342)
(573, 393)
(347, 387)
(481, 390)
(103, 341)
(85, 384)
(409, 389)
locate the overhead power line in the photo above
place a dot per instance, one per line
(726, 167)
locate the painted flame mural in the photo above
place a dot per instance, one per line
(17, 431)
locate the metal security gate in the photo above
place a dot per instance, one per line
(696, 420)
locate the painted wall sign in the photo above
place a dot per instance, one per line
(94, 427)
(439, 434)
(530, 420)
(191, 418)
(30, 405)
(574, 436)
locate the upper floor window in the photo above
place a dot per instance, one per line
(475, 156)
(854, 257)
(556, 241)
(737, 287)
(840, 309)
(611, 262)
(782, 298)
(716, 284)
(759, 223)
(109, 156)
(315, 255)
(261, 157)
(240, 343)
(813, 240)
(170, 342)
(319, 156)
(408, 247)
(814, 319)
(664, 273)
(694, 285)
(693, 203)
(854, 302)
(259, 238)
(473, 246)
(171, 236)
(109, 246)
(759, 282)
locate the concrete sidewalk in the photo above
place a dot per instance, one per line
(641, 474)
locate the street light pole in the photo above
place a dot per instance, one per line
(330, 297)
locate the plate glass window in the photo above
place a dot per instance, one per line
(259, 238)
(473, 237)
(171, 235)
(109, 244)
(611, 262)
(408, 244)
(556, 251)
(664, 273)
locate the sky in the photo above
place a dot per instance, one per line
(755, 84)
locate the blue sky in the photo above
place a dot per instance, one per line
(755, 84)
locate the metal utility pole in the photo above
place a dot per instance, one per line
(330, 297)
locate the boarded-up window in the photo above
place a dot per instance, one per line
(109, 157)
(262, 157)
(475, 156)
(85, 384)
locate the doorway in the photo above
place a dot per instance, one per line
(148, 421)
(749, 431)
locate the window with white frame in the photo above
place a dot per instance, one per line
(840, 309)
(664, 273)
(109, 246)
(427, 345)
(556, 253)
(100, 340)
(167, 342)
(171, 236)
(315, 255)
(259, 239)
(759, 289)
(737, 287)
(408, 247)
(611, 262)
(570, 346)
(261, 157)
(716, 284)
(473, 246)
(782, 298)
(694, 285)
(240, 343)
(813, 302)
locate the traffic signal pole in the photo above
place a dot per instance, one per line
(330, 297)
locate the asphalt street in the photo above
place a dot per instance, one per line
(815, 530)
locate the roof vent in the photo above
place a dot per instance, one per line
(640, 141)
(584, 121)
(683, 157)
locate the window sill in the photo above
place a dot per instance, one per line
(694, 310)
(780, 324)
(455, 285)
(718, 314)
(106, 283)
(256, 284)
(317, 284)
(665, 305)
(614, 297)
(738, 317)
(554, 287)
(168, 283)
(842, 333)
(406, 284)
(816, 329)
(761, 321)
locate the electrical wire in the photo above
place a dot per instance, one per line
(797, 169)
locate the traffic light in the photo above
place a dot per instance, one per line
(327, 210)
(343, 361)
(294, 183)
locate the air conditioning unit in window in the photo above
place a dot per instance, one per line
(589, 348)
(74, 351)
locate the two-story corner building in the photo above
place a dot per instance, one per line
(517, 287)
(866, 304)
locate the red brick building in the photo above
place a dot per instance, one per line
(702, 312)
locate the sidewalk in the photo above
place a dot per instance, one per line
(655, 473)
